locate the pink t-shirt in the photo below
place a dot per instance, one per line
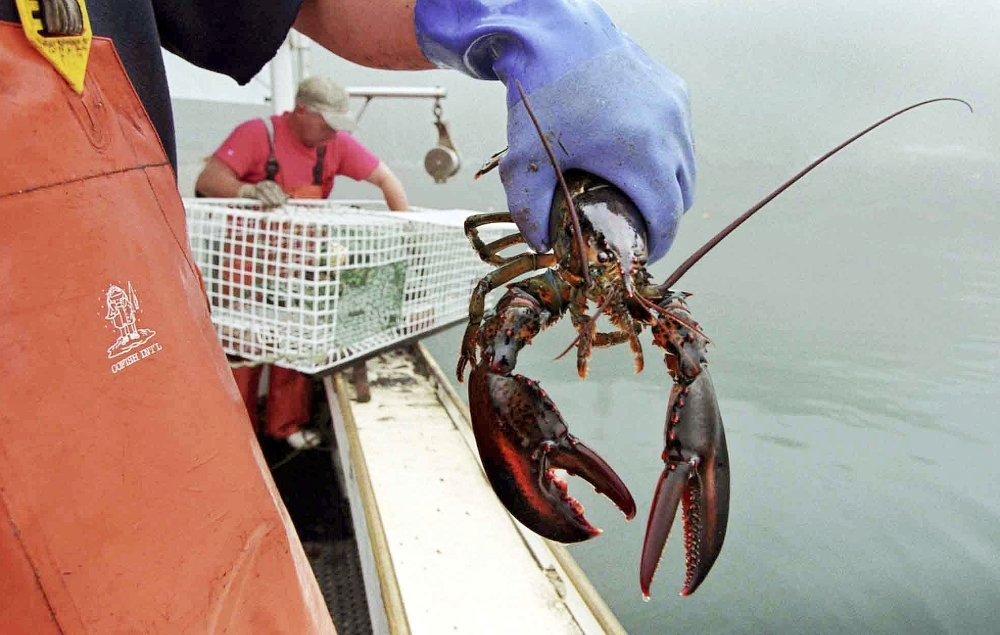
(246, 151)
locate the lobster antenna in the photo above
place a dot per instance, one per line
(562, 185)
(659, 309)
(696, 256)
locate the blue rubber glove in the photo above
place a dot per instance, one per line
(607, 107)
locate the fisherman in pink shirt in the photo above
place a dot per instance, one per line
(297, 154)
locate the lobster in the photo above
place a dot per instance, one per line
(599, 253)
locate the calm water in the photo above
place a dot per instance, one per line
(855, 321)
(856, 363)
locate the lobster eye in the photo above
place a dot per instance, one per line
(603, 257)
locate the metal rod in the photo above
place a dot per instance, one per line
(415, 92)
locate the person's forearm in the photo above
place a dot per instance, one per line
(395, 195)
(217, 180)
(392, 188)
(376, 33)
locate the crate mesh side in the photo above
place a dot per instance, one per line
(320, 283)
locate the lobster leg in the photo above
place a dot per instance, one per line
(588, 338)
(512, 269)
(519, 432)
(696, 477)
(696, 460)
(490, 253)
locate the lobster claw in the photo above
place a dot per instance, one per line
(521, 439)
(696, 475)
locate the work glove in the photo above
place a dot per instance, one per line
(267, 192)
(604, 104)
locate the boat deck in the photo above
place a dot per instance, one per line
(322, 517)
(446, 550)
(410, 537)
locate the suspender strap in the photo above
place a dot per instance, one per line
(272, 161)
(318, 168)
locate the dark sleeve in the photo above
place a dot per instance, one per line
(234, 37)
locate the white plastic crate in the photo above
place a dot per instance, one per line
(318, 283)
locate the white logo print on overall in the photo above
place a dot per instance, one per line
(122, 308)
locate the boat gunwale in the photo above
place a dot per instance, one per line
(392, 599)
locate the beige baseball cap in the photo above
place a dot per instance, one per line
(329, 99)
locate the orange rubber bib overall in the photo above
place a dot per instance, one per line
(133, 496)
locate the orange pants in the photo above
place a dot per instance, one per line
(289, 399)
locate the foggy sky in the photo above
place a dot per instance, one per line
(773, 82)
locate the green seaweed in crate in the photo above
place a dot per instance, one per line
(370, 302)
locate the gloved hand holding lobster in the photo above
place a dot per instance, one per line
(612, 110)
(587, 107)
(619, 130)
